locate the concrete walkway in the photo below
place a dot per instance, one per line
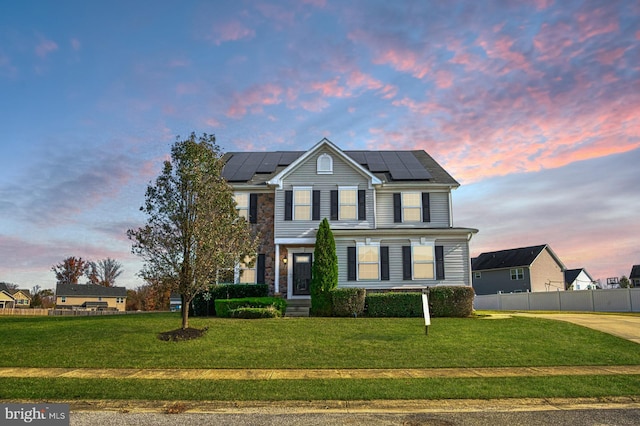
(625, 326)
(298, 374)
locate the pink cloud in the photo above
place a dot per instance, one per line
(45, 47)
(609, 57)
(595, 22)
(231, 31)
(254, 98)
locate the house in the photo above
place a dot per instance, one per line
(14, 298)
(634, 276)
(390, 213)
(524, 269)
(91, 297)
(578, 279)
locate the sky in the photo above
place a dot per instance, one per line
(533, 106)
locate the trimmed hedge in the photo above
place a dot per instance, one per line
(347, 302)
(225, 306)
(394, 304)
(204, 303)
(444, 301)
(451, 301)
(255, 313)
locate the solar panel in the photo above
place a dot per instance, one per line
(269, 163)
(375, 162)
(357, 156)
(416, 168)
(289, 157)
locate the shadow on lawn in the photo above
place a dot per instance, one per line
(182, 334)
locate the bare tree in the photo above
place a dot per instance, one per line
(104, 272)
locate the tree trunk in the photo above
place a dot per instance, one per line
(185, 313)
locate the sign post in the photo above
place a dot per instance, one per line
(425, 309)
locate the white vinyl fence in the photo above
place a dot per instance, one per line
(614, 300)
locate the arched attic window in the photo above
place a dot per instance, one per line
(325, 165)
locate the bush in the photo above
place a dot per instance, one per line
(451, 301)
(348, 302)
(255, 313)
(324, 272)
(224, 306)
(444, 301)
(204, 303)
(394, 304)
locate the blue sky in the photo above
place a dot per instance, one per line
(534, 107)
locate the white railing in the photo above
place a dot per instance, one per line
(614, 300)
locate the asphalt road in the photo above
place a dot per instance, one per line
(591, 417)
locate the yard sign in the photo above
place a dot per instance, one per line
(425, 309)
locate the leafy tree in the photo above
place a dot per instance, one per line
(324, 271)
(70, 270)
(193, 228)
(104, 272)
(624, 282)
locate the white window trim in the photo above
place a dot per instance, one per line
(324, 171)
(402, 206)
(423, 243)
(477, 275)
(242, 208)
(347, 188)
(293, 201)
(367, 244)
(516, 274)
(237, 271)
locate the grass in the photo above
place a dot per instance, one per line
(131, 342)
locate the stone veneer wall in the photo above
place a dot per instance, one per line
(265, 228)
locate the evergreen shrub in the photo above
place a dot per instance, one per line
(347, 302)
(204, 303)
(224, 306)
(255, 313)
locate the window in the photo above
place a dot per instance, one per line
(63, 299)
(423, 262)
(247, 271)
(368, 262)
(325, 165)
(242, 204)
(517, 274)
(411, 207)
(477, 275)
(302, 204)
(348, 203)
(119, 299)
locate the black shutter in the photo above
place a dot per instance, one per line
(384, 263)
(288, 205)
(334, 204)
(439, 263)
(426, 210)
(351, 263)
(406, 262)
(315, 206)
(253, 208)
(362, 205)
(260, 269)
(397, 207)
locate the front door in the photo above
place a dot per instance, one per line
(302, 273)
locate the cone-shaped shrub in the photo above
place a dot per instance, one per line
(324, 272)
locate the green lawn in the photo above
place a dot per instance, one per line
(130, 342)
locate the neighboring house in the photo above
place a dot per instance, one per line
(175, 302)
(91, 297)
(578, 279)
(634, 276)
(14, 298)
(535, 268)
(390, 213)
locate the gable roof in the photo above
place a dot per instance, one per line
(511, 258)
(90, 290)
(635, 272)
(382, 166)
(570, 275)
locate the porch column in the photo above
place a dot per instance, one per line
(276, 280)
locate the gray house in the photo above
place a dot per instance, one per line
(524, 269)
(390, 213)
(634, 276)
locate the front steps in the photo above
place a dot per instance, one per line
(298, 307)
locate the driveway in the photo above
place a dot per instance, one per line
(625, 326)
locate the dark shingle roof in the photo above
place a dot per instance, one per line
(570, 275)
(635, 272)
(390, 166)
(512, 258)
(89, 290)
